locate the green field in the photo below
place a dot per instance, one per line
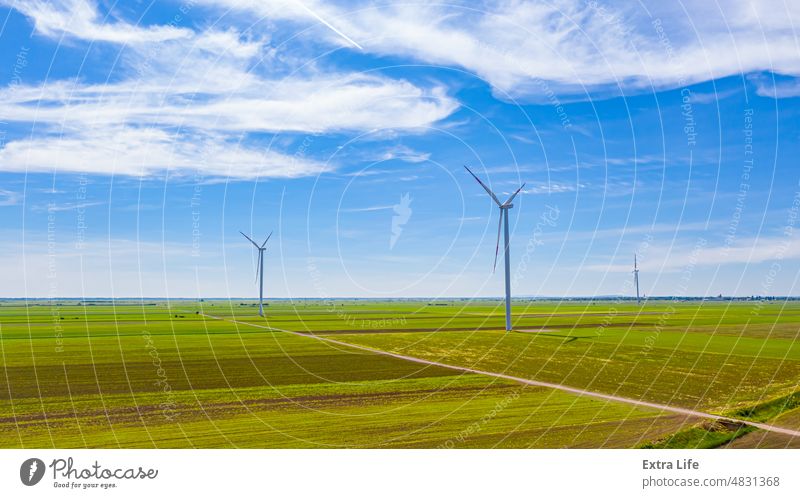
(185, 374)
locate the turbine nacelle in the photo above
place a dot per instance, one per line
(259, 247)
(501, 205)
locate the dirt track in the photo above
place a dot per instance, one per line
(560, 387)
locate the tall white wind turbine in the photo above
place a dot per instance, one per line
(502, 223)
(260, 270)
(636, 278)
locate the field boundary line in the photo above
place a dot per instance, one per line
(530, 382)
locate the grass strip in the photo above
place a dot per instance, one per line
(768, 410)
(708, 435)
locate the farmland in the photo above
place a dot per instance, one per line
(184, 374)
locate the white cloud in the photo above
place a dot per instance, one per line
(229, 43)
(127, 128)
(541, 188)
(367, 209)
(141, 152)
(743, 251)
(621, 232)
(776, 88)
(315, 105)
(713, 97)
(9, 197)
(66, 206)
(80, 19)
(184, 100)
(404, 153)
(532, 49)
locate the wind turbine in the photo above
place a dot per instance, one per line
(636, 278)
(502, 222)
(260, 270)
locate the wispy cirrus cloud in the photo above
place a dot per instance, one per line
(366, 209)
(404, 153)
(81, 19)
(9, 197)
(185, 99)
(776, 87)
(314, 104)
(547, 188)
(575, 47)
(150, 151)
(743, 251)
(66, 206)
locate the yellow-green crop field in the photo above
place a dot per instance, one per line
(186, 374)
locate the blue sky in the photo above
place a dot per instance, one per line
(137, 139)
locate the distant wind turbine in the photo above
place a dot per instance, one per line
(636, 278)
(502, 222)
(260, 270)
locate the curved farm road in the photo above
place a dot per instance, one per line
(560, 387)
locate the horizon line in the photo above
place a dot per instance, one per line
(409, 298)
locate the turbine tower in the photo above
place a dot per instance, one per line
(636, 278)
(260, 270)
(502, 223)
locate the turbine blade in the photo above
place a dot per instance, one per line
(497, 246)
(267, 240)
(496, 200)
(248, 238)
(514, 195)
(258, 265)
